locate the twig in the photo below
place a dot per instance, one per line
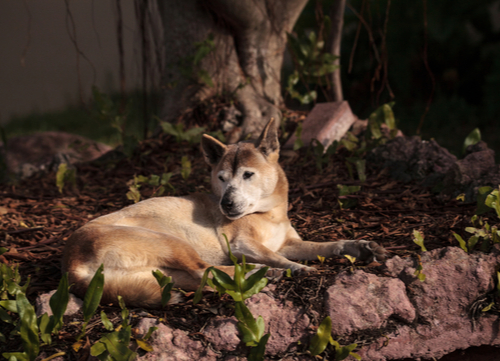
(17, 231)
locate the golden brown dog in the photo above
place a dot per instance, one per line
(182, 236)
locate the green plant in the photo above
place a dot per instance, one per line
(166, 285)
(313, 63)
(30, 328)
(160, 184)
(344, 191)
(323, 337)
(65, 175)
(488, 198)
(114, 346)
(192, 135)
(111, 113)
(418, 238)
(240, 288)
(91, 301)
(321, 155)
(185, 167)
(471, 139)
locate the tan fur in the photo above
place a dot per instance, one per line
(182, 236)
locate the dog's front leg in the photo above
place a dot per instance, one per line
(256, 252)
(295, 248)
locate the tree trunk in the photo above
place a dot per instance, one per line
(337, 17)
(249, 38)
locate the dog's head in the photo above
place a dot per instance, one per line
(244, 174)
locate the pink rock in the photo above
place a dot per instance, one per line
(287, 324)
(327, 122)
(454, 279)
(362, 301)
(172, 344)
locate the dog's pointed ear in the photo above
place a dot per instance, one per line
(268, 142)
(212, 149)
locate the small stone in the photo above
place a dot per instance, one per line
(42, 304)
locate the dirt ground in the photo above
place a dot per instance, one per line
(35, 219)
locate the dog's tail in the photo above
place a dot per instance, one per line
(138, 289)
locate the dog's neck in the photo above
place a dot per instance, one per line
(279, 198)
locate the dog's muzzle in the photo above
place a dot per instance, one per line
(228, 206)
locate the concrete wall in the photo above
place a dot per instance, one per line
(46, 77)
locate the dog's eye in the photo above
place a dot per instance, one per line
(221, 178)
(247, 175)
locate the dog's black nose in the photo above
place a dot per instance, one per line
(227, 203)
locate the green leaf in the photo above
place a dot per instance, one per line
(4, 316)
(257, 352)
(59, 302)
(255, 283)
(251, 328)
(28, 327)
(146, 346)
(487, 308)
(298, 138)
(223, 279)
(460, 241)
(322, 337)
(117, 344)
(150, 332)
(389, 119)
(347, 190)
(471, 139)
(185, 167)
(166, 293)
(16, 356)
(342, 353)
(133, 194)
(98, 348)
(199, 292)
(45, 326)
(9, 305)
(93, 295)
(482, 195)
(421, 277)
(418, 238)
(106, 322)
(61, 175)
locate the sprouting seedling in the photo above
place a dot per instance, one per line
(240, 288)
(166, 285)
(418, 271)
(461, 241)
(321, 259)
(418, 238)
(324, 337)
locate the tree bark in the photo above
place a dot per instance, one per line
(250, 39)
(337, 17)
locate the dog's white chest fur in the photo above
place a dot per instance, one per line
(275, 236)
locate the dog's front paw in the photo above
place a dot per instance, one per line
(371, 251)
(301, 270)
(367, 251)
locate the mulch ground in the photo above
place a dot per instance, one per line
(36, 219)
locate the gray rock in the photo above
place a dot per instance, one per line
(42, 304)
(26, 155)
(410, 158)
